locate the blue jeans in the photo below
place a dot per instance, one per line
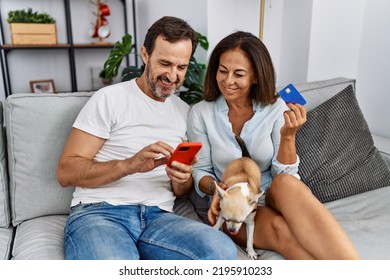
(132, 232)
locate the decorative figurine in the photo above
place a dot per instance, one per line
(100, 28)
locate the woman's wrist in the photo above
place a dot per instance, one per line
(211, 186)
(288, 137)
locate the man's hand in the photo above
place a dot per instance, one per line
(149, 158)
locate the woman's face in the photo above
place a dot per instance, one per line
(235, 75)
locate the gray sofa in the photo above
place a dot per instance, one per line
(34, 207)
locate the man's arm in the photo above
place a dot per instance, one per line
(76, 166)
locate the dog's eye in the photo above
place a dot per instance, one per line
(234, 221)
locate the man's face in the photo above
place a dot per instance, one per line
(166, 67)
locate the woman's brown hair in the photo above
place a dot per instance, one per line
(264, 91)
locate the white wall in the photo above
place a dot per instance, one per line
(273, 32)
(350, 38)
(214, 19)
(373, 74)
(336, 31)
(194, 12)
(295, 41)
(308, 41)
(287, 36)
(346, 38)
(227, 16)
(26, 65)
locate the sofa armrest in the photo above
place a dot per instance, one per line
(383, 145)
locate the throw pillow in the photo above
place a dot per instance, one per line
(337, 152)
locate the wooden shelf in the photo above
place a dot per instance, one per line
(70, 46)
(57, 46)
(94, 45)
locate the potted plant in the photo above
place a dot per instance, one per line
(32, 28)
(192, 89)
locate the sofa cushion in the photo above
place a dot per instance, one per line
(6, 235)
(317, 92)
(337, 152)
(37, 126)
(383, 145)
(5, 217)
(40, 239)
(365, 217)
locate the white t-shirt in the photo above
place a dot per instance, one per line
(129, 120)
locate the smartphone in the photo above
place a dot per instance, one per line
(292, 95)
(185, 152)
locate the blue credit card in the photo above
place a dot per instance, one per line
(291, 94)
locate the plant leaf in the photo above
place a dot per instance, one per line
(119, 51)
(131, 72)
(192, 90)
(203, 42)
(194, 72)
(193, 94)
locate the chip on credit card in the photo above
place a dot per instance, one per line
(291, 94)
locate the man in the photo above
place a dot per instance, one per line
(116, 155)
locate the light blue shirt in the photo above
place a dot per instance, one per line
(209, 124)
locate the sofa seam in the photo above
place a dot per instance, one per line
(11, 243)
(6, 197)
(10, 148)
(331, 85)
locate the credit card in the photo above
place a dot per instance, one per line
(291, 94)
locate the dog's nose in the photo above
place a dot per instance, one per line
(233, 230)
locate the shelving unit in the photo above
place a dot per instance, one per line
(69, 46)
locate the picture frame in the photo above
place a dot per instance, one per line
(42, 86)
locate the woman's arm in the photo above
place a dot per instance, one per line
(196, 130)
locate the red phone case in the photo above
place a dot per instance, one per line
(185, 152)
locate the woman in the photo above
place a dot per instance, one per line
(240, 100)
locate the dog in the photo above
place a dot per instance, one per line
(238, 202)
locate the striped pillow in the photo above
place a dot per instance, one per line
(337, 152)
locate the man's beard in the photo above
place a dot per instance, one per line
(158, 91)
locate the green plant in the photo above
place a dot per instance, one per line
(23, 16)
(192, 90)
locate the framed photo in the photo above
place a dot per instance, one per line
(42, 86)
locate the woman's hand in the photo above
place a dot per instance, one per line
(293, 119)
(214, 206)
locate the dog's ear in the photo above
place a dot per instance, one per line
(255, 198)
(221, 192)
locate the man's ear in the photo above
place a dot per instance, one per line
(221, 192)
(144, 55)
